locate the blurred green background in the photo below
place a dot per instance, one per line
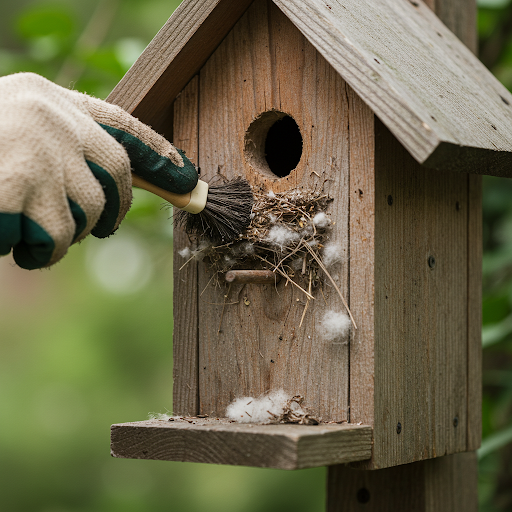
(88, 343)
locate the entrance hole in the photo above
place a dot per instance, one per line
(273, 144)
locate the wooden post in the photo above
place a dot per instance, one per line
(446, 483)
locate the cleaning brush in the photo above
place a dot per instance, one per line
(217, 212)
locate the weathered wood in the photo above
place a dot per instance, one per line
(445, 484)
(252, 277)
(223, 442)
(185, 296)
(460, 17)
(362, 259)
(435, 96)
(265, 63)
(173, 57)
(474, 372)
(362, 357)
(421, 278)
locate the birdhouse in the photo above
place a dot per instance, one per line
(380, 106)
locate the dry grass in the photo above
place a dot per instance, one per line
(283, 236)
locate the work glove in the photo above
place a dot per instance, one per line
(65, 167)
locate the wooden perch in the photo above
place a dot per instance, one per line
(220, 441)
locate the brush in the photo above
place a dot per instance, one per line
(217, 212)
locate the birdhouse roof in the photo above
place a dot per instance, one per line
(423, 83)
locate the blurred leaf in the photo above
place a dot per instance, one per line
(43, 21)
(495, 442)
(486, 22)
(501, 378)
(496, 307)
(45, 48)
(493, 4)
(495, 333)
(128, 51)
(105, 60)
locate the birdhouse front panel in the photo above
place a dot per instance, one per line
(254, 338)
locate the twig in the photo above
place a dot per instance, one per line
(204, 289)
(223, 308)
(307, 303)
(322, 266)
(287, 277)
(187, 262)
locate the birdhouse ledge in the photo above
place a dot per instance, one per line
(221, 441)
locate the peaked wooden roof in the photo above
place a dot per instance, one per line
(431, 92)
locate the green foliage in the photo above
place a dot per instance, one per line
(45, 21)
(496, 451)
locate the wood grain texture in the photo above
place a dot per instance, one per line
(173, 57)
(421, 332)
(185, 295)
(445, 484)
(438, 100)
(428, 88)
(223, 442)
(460, 17)
(362, 358)
(362, 259)
(474, 371)
(265, 63)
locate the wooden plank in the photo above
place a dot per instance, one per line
(460, 17)
(421, 311)
(369, 44)
(445, 484)
(362, 217)
(435, 96)
(173, 57)
(185, 296)
(263, 64)
(217, 441)
(362, 259)
(474, 372)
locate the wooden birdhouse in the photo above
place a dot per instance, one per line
(380, 106)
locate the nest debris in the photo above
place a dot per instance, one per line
(293, 412)
(287, 234)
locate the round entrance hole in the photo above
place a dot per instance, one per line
(273, 144)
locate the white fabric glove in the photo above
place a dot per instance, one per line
(65, 167)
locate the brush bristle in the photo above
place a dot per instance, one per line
(226, 215)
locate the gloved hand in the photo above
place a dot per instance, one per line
(65, 167)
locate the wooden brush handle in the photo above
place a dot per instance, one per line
(178, 200)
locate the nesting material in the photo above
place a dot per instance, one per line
(332, 254)
(321, 220)
(335, 326)
(159, 416)
(185, 252)
(273, 407)
(282, 236)
(288, 234)
(281, 229)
